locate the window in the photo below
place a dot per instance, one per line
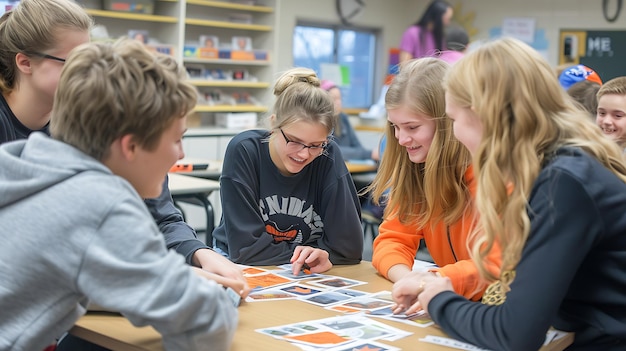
(314, 45)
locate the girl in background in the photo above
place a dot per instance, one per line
(344, 135)
(426, 37)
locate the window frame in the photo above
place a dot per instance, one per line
(374, 65)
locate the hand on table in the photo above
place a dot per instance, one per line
(222, 270)
(414, 292)
(316, 259)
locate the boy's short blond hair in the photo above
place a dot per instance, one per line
(615, 86)
(108, 90)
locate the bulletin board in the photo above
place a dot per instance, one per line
(602, 51)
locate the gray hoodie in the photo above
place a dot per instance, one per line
(72, 233)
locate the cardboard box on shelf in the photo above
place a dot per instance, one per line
(207, 53)
(261, 55)
(242, 55)
(136, 6)
(236, 120)
(224, 54)
(190, 51)
(162, 48)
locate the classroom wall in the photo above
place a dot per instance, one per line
(388, 16)
(392, 17)
(550, 15)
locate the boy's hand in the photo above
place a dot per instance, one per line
(216, 264)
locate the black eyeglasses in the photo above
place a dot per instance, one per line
(295, 146)
(49, 57)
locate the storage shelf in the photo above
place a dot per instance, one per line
(230, 108)
(132, 16)
(229, 84)
(227, 62)
(232, 6)
(229, 25)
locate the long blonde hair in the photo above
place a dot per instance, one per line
(435, 187)
(526, 117)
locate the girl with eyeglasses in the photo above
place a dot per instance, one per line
(36, 37)
(287, 195)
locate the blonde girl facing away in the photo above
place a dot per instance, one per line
(552, 192)
(287, 195)
(431, 182)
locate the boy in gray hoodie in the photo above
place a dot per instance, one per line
(118, 118)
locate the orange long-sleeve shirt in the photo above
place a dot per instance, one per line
(397, 243)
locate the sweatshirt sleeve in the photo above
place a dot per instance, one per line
(396, 243)
(152, 286)
(464, 275)
(466, 279)
(178, 234)
(561, 234)
(343, 234)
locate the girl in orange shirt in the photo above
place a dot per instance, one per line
(431, 184)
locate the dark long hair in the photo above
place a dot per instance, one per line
(434, 14)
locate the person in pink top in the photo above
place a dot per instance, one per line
(457, 40)
(426, 36)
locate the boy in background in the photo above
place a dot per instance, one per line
(611, 114)
(118, 118)
(457, 40)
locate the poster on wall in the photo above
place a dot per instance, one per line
(535, 37)
(602, 51)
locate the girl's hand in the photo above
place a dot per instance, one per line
(432, 288)
(406, 291)
(316, 259)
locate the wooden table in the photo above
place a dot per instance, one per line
(361, 167)
(213, 171)
(215, 168)
(195, 191)
(115, 332)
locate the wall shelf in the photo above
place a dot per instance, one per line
(227, 62)
(230, 84)
(232, 6)
(178, 24)
(230, 108)
(229, 25)
(132, 16)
